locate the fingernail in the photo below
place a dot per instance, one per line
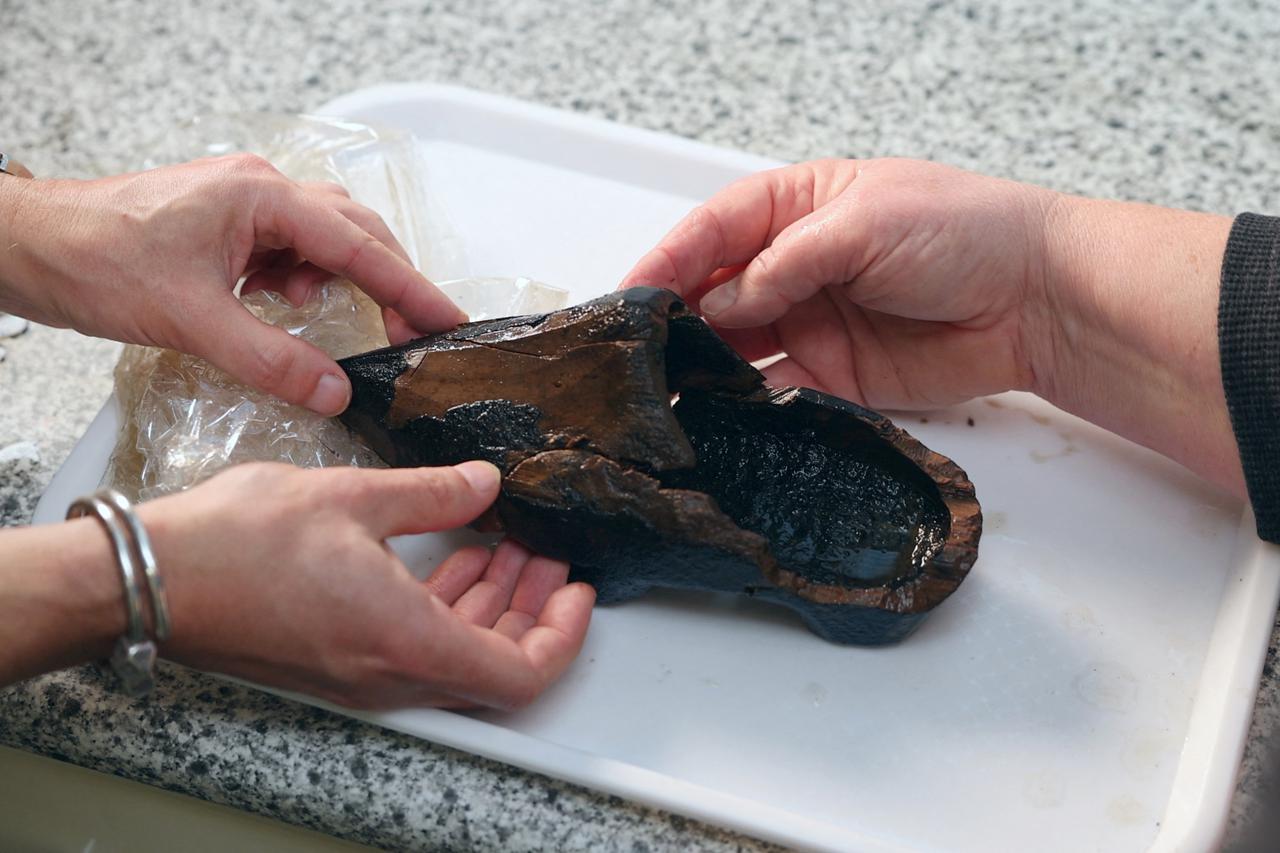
(331, 396)
(481, 476)
(721, 299)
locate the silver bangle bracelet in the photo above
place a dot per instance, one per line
(144, 555)
(134, 656)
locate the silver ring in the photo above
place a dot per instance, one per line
(4, 162)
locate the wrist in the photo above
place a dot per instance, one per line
(63, 603)
(190, 606)
(1125, 327)
(87, 561)
(16, 245)
(11, 202)
(1040, 331)
(1056, 329)
(38, 221)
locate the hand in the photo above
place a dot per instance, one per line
(902, 284)
(283, 577)
(152, 258)
(893, 283)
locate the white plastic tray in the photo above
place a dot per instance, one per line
(1088, 687)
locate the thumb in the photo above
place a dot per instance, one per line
(270, 359)
(403, 501)
(822, 248)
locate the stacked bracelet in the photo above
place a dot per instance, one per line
(133, 659)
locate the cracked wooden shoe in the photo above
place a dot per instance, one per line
(790, 495)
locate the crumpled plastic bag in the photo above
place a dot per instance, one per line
(488, 298)
(184, 420)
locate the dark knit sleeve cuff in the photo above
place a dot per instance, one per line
(1249, 347)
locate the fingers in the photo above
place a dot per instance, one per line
(458, 573)
(322, 233)
(295, 283)
(285, 272)
(329, 187)
(825, 247)
(552, 644)
(398, 331)
(337, 196)
(489, 597)
(372, 223)
(513, 627)
(403, 501)
(781, 224)
(268, 358)
(787, 371)
(301, 281)
(729, 228)
(488, 668)
(271, 259)
(541, 578)
(737, 223)
(505, 592)
(753, 344)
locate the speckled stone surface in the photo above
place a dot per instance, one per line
(1168, 102)
(253, 751)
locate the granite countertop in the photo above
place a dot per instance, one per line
(1165, 102)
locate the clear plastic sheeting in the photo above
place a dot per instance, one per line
(184, 420)
(487, 298)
